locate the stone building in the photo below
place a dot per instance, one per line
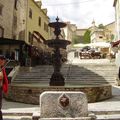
(116, 44)
(102, 33)
(23, 24)
(37, 30)
(70, 31)
(8, 46)
(111, 27)
(116, 5)
(6, 18)
(36, 20)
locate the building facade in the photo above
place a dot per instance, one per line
(23, 24)
(6, 18)
(116, 44)
(70, 31)
(116, 5)
(8, 21)
(111, 27)
(36, 20)
(102, 33)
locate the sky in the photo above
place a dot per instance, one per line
(81, 12)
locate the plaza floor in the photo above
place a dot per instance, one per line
(111, 105)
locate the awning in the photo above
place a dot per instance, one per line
(96, 44)
(114, 44)
(4, 41)
(80, 45)
(100, 44)
(38, 36)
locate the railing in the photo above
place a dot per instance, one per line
(12, 68)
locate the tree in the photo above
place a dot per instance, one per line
(86, 36)
(101, 26)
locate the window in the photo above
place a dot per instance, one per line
(45, 27)
(30, 37)
(1, 31)
(30, 13)
(100, 37)
(15, 22)
(39, 21)
(15, 4)
(1, 9)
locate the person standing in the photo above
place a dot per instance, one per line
(3, 81)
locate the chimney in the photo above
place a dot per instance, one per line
(45, 11)
(39, 3)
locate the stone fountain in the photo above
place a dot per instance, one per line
(57, 78)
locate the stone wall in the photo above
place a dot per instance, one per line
(30, 94)
(6, 19)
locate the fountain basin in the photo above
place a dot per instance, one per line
(57, 43)
(29, 93)
(57, 24)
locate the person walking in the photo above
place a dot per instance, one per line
(3, 81)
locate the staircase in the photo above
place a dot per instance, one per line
(75, 75)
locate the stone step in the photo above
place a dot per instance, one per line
(68, 80)
(80, 77)
(72, 66)
(108, 117)
(66, 83)
(16, 117)
(98, 77)
(69, 77)
(82, 69)
(71, 72)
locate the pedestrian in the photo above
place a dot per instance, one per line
(3, 81)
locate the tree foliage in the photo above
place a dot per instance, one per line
(86, 36)
(101, 26)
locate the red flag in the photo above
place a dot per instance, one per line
(114, 44)
(5, 81)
